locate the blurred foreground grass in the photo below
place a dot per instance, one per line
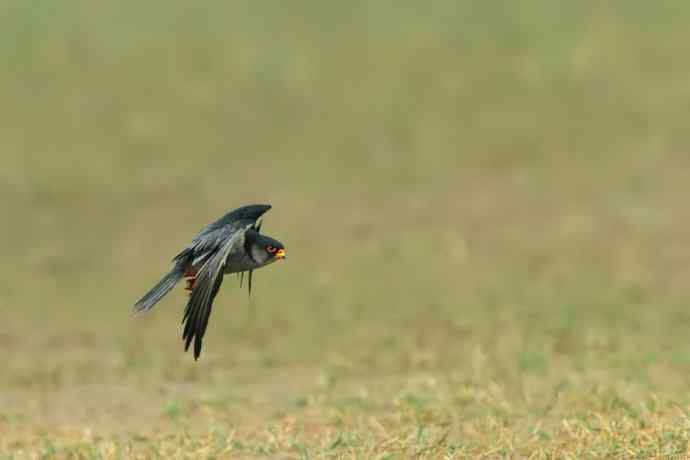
(485, 209)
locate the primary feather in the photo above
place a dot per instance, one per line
(208, 282)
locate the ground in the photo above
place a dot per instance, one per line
(484, 207)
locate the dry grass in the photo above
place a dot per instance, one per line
(484, 207)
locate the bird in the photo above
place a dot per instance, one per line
(231, 244)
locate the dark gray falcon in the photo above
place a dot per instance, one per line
(232, 244)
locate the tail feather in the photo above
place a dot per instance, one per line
(159, 290)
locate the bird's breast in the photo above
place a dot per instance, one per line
(239, 263)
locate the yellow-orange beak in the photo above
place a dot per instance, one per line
(280, 254)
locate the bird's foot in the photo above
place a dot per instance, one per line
(190, 275)
(190, 285)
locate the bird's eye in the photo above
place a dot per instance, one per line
(270, 249)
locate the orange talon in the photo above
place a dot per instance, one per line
(190, 285)
(190, 274)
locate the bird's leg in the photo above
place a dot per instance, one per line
(190, 275)
(190, 285)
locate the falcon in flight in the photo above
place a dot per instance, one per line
(232, 244)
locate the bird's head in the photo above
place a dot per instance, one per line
(264, 249)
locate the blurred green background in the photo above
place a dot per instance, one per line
(488, 194)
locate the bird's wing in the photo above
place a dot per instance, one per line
(207, 284)
(213, 236)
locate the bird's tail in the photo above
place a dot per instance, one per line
(159, 290)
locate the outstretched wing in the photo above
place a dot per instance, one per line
(208, 281)
(213, 236)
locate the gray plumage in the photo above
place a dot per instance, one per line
(232, 244)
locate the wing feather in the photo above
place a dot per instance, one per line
(208, 282)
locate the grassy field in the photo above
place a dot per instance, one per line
(485, 207)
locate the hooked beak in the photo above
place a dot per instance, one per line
(280, 254)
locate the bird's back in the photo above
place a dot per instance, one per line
(236, 218)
